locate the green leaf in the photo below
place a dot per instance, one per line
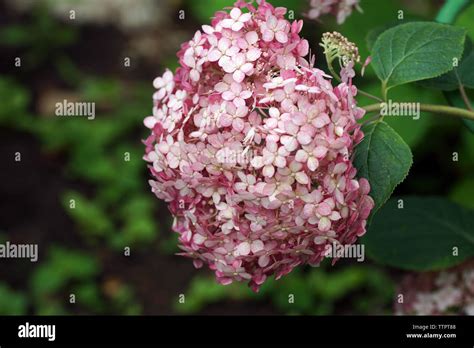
(14, 103)
(462, 74)
(61, 267)
(384, 159)
(422, 235)
(416, 51)
(12, 302)
(15, 35)
(374, 33)
(88, 214)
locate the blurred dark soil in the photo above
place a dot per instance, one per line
(32, 213)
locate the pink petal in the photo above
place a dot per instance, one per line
(263, 260)
(291, 128)
(245, 94)
(173, 161)
(268, 171)
(299, 118)
(251, 37)
(208, 29)
(301, 156)
(339, 168)
(281, 37)
(271, 123)
(241, 111)
(225, 120)
(245, 17)
(235, 13)
(253, 54)
(228, 95)
(256, 246)
(268, 189)
(227, 64)
(304, 138)
(320, 240)
(214, 55)
(320, 121)
(194, 74)
(272, 22)
(237, 26)
(289, 142)
(238, 124)
(189, 61)
(280, 161)
(313, 164)
(268, 35)
(238, 76)
(150, 122)
(320, 151)
(243, 249)
(236, 88)
(198, 238)
(324, 224)
(302, 178)
(295, 166)
(257, 162)
(324, 209)
(247, 68)
(364, 186)
(239, 102)
(274, 112)
(239, 59)
(224, 44)
(221, 87)
(227, 23)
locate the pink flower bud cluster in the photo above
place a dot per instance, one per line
(438, 293)
(250, 146)
(339, 8)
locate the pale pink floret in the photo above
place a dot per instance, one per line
(275, 28)
(237, 65)
(164, 85)
(224, 48)
(237, 19)
(250, 147)
(236, 94)
(339, 8)
(448, 292)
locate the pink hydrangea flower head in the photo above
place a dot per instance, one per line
(447, 292)
(339, 8)
(250, 147)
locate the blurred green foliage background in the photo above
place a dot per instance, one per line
(80, 190)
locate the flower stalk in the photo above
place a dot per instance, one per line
(437, 109)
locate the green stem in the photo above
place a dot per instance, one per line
(336, 76)
(331, 70)
(384, 91)
(369, 95)
(450, 10)
(463, 93)
(437, 109)
(464, 96)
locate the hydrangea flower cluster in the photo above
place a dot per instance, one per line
(251, 147)
(440, 293)
(339, 8)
